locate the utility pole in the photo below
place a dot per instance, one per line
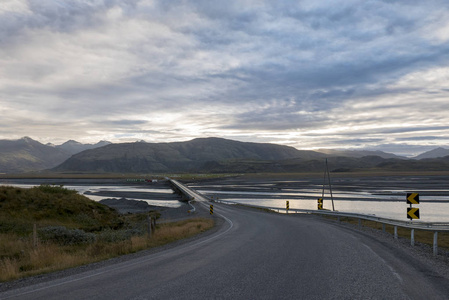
(326, 172)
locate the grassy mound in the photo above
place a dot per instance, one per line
(49, 228)
(52, 205)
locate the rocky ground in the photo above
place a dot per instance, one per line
(167, 214)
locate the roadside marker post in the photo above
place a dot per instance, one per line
(211, 210)
(287, 206)
(435, 243)
(149, 225)
(320, 203)
(412, 212)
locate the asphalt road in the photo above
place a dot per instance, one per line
(258, 255)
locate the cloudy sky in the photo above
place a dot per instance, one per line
(309, 74)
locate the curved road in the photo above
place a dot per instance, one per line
(257, 255)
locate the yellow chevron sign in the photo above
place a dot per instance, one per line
(412, 198)
(320, 203)
(412, 213)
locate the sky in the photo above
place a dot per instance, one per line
(308, 74)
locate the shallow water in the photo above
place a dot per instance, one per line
(381, 196)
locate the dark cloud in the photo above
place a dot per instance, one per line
(128, 122)
(423, 138)
(416, 129)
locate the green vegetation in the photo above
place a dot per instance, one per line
(49, 228)
(47, 205)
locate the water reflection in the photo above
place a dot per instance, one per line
(381, 196)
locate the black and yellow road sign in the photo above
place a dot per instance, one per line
(211, 210)
(412, 213)
(287, 205)
(412, 198)
(320, 203)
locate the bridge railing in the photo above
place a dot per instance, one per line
(191, 194)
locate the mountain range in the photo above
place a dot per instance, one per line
(216, 155)
(26, 154)
(196, 155)
(199, 155)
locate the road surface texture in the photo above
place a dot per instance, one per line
(257, 255)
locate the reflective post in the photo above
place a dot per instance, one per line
(435, 243)
(149, 226)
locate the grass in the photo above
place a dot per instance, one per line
(421, 236)
(44, 205)
(50, 228)
(20, 258)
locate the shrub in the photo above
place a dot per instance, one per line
(55, 189)
(113, 236)
(63, 236)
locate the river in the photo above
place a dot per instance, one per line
(383, 196)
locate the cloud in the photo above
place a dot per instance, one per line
(307, 74)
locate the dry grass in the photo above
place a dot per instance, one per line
(19, 258)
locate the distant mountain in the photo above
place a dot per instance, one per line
(74, 147)
(205, 155)
(198, 155)
(26, 154)
(359, 153)
(438, 152)
(336, 164)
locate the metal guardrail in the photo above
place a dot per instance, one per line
(429, 226)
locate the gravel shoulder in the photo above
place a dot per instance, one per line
(419, 254)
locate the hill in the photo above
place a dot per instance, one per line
(198, 155)
(21, 208)
(27, 154)
(359, 153)
(438, 152)
(74, 147)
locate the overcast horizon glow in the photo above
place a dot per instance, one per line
(310, 74)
